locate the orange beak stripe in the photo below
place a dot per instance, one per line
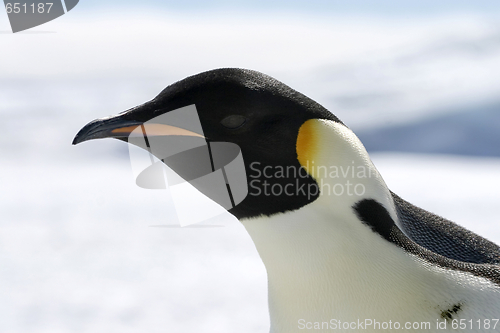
(157, 130)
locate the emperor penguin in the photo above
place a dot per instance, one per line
(342, 252)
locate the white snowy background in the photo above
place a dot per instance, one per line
(82, 249)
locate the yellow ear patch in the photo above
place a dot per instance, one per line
(307, 143)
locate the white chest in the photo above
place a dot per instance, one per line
(325, 266)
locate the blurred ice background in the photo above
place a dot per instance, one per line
(82, 249)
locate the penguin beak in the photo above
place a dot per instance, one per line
(120, 128)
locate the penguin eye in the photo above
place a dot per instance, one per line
(233, 121)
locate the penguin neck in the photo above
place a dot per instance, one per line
(323, 263)
(342, 168)
(321, 257)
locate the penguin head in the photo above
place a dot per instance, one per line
(264, 117)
